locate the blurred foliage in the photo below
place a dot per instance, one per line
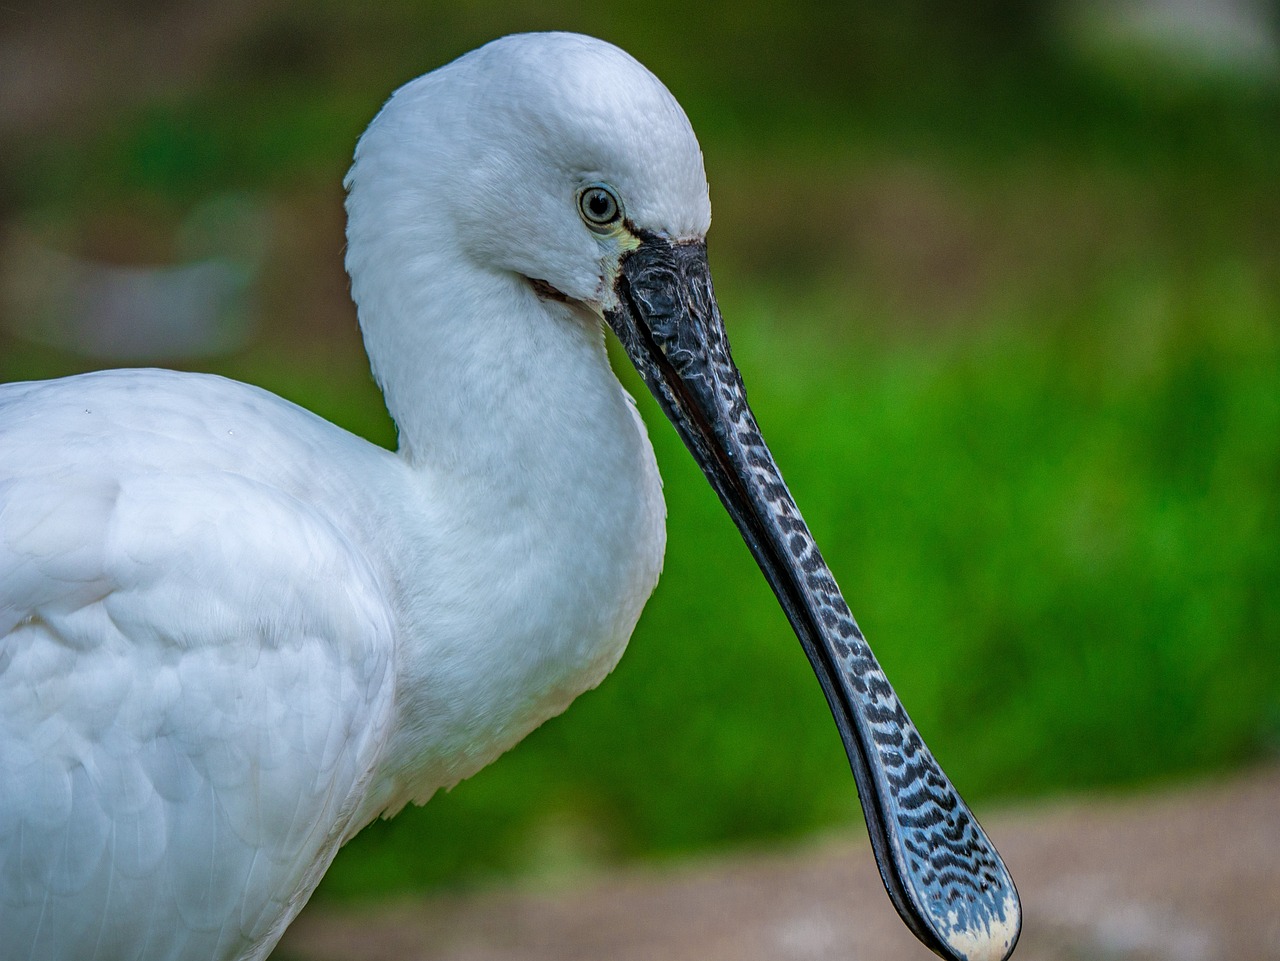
(1010, 319)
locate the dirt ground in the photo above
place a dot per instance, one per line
(1188, 874)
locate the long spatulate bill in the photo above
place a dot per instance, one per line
(941, 871)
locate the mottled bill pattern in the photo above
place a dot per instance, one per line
(941, 871)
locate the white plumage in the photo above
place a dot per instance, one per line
(232, 634)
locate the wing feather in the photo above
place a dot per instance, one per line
(195, 684)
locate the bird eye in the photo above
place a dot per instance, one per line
(599, 206)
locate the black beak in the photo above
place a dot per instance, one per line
(940, 870)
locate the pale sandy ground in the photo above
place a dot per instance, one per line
(1182, 874)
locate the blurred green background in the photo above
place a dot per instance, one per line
(1004, 282)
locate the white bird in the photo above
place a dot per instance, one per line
(232, 634)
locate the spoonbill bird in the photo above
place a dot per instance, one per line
(232, 634)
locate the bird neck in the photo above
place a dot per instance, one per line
(541, 533)
(482, 377)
